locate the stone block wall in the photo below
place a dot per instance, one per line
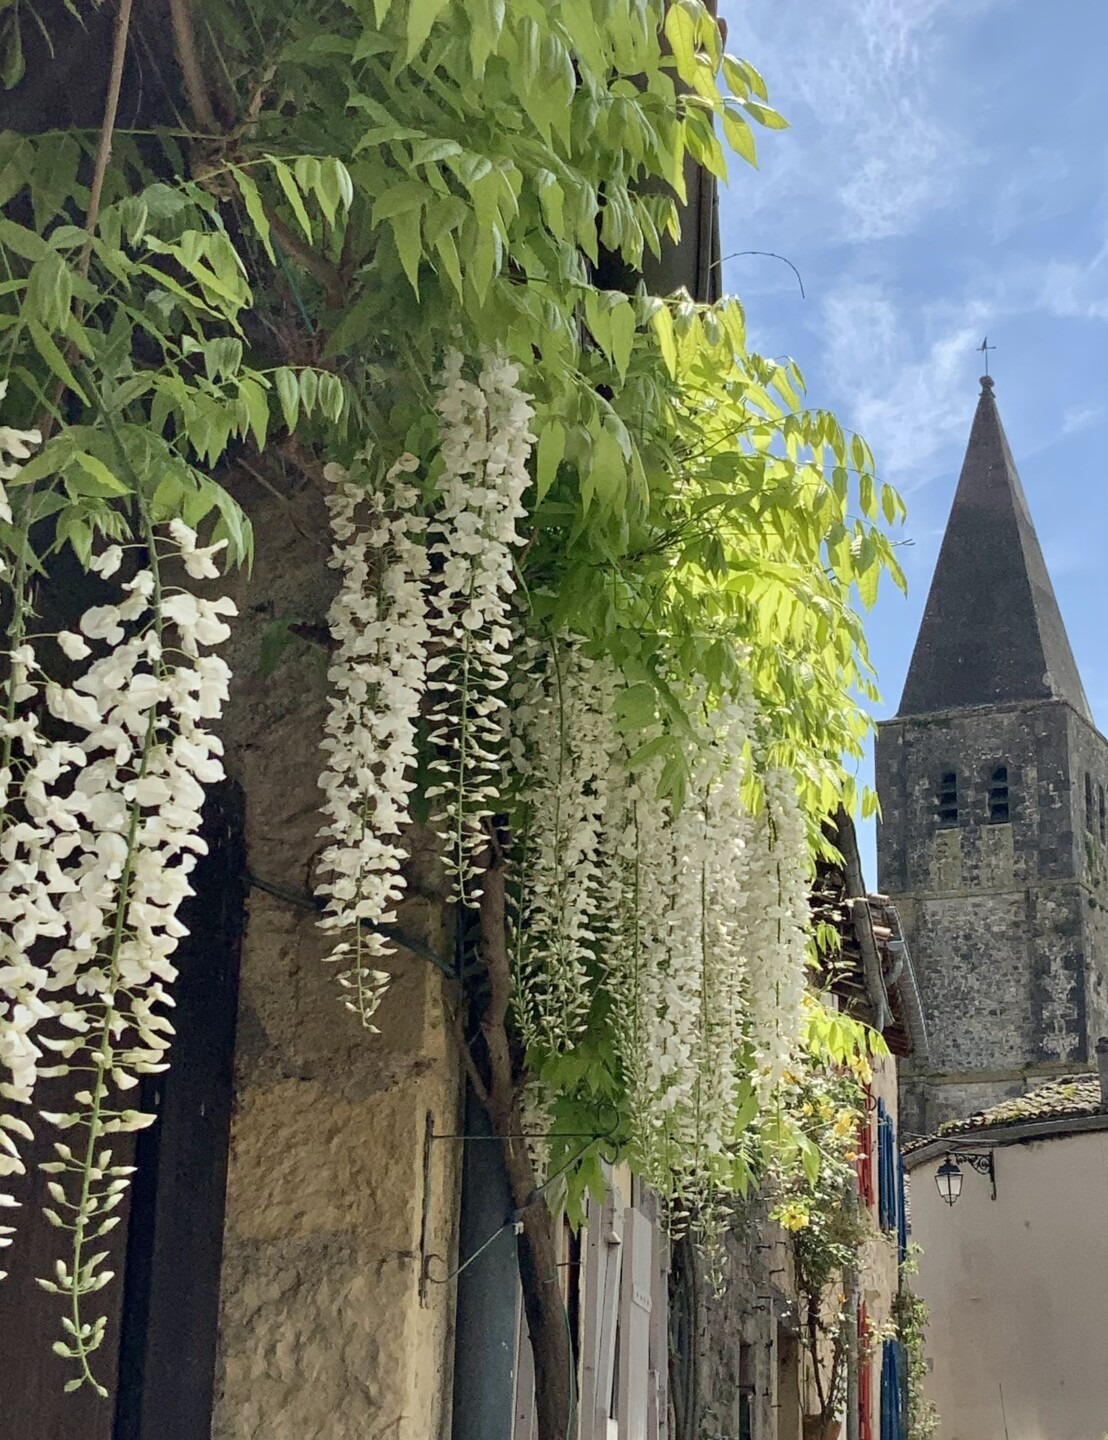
(745, 1319)
(1006, 921)
(335, 1195)
(917, 855)
(750, 1329)
(1089, 750)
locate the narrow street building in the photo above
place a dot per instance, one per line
(1008, 1205)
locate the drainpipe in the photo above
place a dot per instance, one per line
(485, 1318)
(910, 997)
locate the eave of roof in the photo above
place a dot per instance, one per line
(1068, 1106)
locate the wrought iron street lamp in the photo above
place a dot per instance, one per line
(948, 1177)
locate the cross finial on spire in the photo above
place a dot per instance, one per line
(985, 347)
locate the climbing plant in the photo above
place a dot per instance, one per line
(819, 1207)
(910, 1317)
(597, 565)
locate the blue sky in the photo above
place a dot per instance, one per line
(945, 176)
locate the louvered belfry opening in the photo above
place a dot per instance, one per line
(948, 798)
(998, 796)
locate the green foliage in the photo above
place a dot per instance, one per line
(402, 177)
(451, 172)
(818, 1205)
(910, 1319)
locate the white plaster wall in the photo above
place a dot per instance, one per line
(1018, 1293)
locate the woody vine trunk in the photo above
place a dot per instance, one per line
(537, 1251)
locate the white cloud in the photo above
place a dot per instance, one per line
(1071, 290)
(1035, 191)
(911, 399)
(870, 74)
(1080, 417)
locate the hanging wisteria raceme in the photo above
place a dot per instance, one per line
(640, 839)
(680, 979)
(110, 817)
(378, 676)
(712, 837)
(568, 751)
(26, 909)
(722, 833)
(485, 444)
(696, 920)
(776, 918)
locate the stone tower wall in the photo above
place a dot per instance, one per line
(1007, 921)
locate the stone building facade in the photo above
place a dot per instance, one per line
(747, 1355)
(741, 1365)
(993, 841)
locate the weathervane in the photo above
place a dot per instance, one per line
(985, 347)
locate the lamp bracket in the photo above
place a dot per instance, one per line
(981, 1161)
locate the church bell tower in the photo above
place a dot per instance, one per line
(993, 842)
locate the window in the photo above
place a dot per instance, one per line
(888, 1179)
(894, 1382)
(747, 1392)
(865, 1378)
(998, 796)
(1090, 813)
(948, 798)
(1103, 816)
(864, 1162)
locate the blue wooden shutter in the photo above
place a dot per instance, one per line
(889, 1209)
(901, 1212)
(894, 1414)
(884, 1209)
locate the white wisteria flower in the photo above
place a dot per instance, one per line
(15, 447)
(567, 742)
(378, 674)
(485, 445)
(107, 562)
(73, 646)
(92, 872)
(198, 560)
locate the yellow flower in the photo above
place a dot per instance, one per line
(861, 1067)
(793, 1216)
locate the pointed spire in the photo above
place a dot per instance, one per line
(991, 629)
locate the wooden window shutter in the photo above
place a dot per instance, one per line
(864, 1163)
(600, 1292)
(636, 1304)
(657, 1418)
(524, 1418)
(865, 1379)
